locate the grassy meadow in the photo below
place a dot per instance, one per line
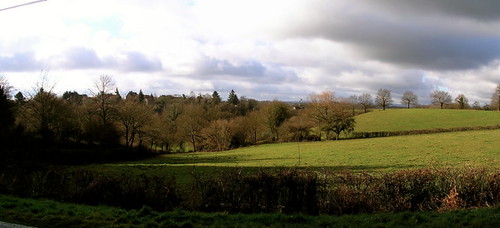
(420, 119)
(374, 155)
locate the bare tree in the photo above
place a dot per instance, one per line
(218, 134)
(440, 97)
(103, 95)
(409, 98)
(462, 101)
(495, 98)
(383, 98)
(134, 118)
(353, 100)
(46, 114)
(366, 101)
(191, 122)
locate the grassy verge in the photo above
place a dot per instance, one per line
(46, 213)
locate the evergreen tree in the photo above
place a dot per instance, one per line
(20, 97)
(216, 99)
(233, 98)
(141, 96)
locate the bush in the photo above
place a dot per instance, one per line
(285, 191)
(288, 191)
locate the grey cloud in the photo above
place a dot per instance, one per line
(486, 10)
(84, 58)
(213, 66)
(383, 32)
(20, 62)
(251, 71)
(138, 62)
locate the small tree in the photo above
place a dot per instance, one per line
(409, 98)
(383, 98)
(462, 101)
(440, 98)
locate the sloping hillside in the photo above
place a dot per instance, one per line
(419, 119)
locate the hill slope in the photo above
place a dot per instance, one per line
(454, 149)
(419, 119)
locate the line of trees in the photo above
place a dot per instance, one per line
(202, 122)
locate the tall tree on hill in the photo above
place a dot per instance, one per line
(383, 98)
(462, 101)
(440, 98)
(409, 98)
(366, 101)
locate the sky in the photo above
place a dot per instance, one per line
(279, 49)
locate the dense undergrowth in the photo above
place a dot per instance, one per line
(283, 191)
(48, 213)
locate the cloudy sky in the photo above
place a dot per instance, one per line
(262, 49)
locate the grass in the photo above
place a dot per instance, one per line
(47, 213)
(454, 149)
(420, 119)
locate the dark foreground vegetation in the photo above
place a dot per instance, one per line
(284, 191)
(47, 213)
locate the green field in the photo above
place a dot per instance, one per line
(419, 119)
(455, 149)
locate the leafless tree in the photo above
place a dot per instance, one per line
(440, 97)
(409, 98)
(103, 96)
(366, 101)
(384, 98)
(495, 98)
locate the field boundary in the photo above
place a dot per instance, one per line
(376, 134)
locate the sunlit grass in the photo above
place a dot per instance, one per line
(419, 119)
(375, 155)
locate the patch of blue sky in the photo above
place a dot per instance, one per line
(111, 24)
